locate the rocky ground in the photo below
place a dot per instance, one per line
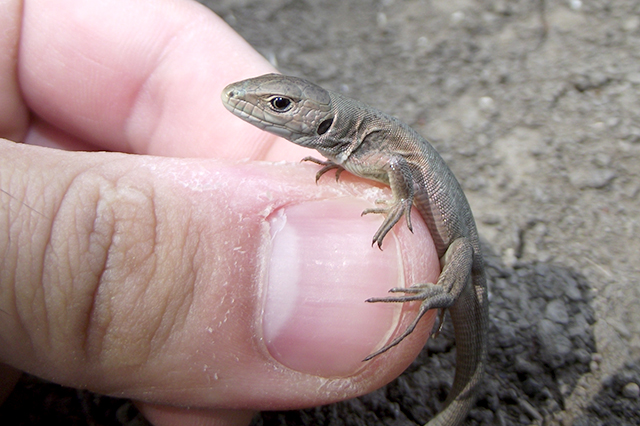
(535, 105)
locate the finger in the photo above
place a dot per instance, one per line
(131, 77)
(170, 281)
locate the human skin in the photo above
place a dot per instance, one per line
(193, 275)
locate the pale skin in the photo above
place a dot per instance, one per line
(138, 316)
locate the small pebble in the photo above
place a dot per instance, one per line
(457, 17)
(631, 390)
(631, 24)
(381, 20)
(487, 104)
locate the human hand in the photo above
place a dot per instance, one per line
(214, 283)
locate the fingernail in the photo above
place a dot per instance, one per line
(322, 269)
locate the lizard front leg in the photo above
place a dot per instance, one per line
(326, 166)
(401, 183)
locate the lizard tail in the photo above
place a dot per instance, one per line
(469, 318)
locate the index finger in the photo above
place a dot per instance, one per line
(137, 77)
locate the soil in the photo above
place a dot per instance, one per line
(535, 105)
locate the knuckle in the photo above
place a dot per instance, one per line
(106, 296)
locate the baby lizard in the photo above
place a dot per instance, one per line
(353, 136)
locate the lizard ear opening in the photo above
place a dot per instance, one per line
(324, 126)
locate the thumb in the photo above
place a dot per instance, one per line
(197, 282)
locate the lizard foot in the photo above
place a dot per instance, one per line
(326, 166)
(425, 292)
(432, 296)
(393, 214)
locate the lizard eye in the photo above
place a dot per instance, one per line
(280, 104)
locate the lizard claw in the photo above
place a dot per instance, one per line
(423, 292)
(393, 215)
(433, 297)
(408, 331)
(440, 324)
(327, 165)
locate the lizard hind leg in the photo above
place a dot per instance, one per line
(423, 310)
(432, 296)
(454, 279)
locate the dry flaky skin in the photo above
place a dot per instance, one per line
(371, 144)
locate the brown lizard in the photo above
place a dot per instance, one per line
(353, 136)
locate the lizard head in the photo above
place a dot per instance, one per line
(289, 107)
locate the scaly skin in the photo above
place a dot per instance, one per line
(369, 143)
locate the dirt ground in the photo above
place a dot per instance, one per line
(535, 106)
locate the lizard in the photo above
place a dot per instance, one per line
(368, 143)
